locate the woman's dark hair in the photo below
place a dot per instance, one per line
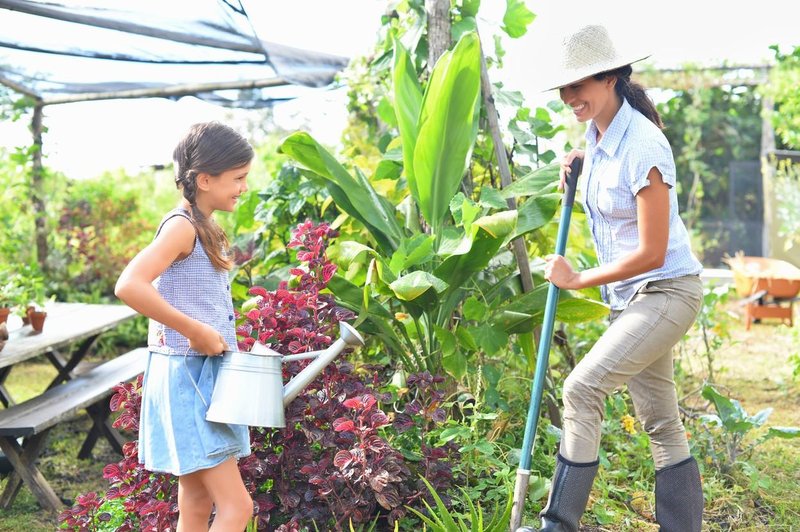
(211, 148)
(633, 92)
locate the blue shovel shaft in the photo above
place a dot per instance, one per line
(543, 355)
(537, 386)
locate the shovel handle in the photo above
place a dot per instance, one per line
(571, 182)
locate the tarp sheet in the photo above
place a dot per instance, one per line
(51, 49)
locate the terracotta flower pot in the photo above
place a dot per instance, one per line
(25, 319)
(37, 319)
(4, 312)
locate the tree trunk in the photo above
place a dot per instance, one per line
(438, 29)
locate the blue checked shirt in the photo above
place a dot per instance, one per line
(615, 170)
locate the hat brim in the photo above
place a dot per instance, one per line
(572, 76)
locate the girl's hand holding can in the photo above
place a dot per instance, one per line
(207, 340)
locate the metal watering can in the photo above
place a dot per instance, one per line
(249, 388)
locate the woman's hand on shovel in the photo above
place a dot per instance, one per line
(565, 162)
(559, 272)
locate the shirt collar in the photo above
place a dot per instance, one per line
(613, 135)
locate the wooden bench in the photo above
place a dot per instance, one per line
(33, 419)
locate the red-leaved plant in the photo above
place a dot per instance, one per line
(333, 463)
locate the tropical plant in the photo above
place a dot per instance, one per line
(438, 291)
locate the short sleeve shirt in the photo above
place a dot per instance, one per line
(615, 170)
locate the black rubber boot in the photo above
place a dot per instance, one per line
(569, 494)
(679, 497)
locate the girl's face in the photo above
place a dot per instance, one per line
(591, 99)
(225, 189)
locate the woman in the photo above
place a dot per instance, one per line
(647, 274)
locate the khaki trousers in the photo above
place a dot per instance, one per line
(636, 350)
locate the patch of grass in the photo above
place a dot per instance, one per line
(29, 379)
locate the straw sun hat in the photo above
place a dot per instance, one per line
(587, 52)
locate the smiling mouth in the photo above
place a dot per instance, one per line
(579, 108)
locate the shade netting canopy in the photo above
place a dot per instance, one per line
(77, 50)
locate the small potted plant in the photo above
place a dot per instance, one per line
(11, 289)
(34, 305)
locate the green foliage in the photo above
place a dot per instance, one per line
(727, 438)
(714, 324)
(441, 136)
(708, 128)
(442, 519)
(102, 224)
(784, 78)
(786, 187)
(430, 276)
(517, 18)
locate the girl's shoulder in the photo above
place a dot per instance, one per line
(178, 217)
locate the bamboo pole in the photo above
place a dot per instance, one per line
(518, 244)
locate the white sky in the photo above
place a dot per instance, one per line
(86, 138)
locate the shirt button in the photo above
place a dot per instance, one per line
(227, 287)
(230, 317)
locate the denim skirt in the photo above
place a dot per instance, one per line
(174, 435)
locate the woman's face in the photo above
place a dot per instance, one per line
(590, 99)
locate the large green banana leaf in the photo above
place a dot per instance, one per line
(541, 180)
(353, 195)
(448, 126)
(535, 212)
(526, 311)
(407, 104)
(488, 234)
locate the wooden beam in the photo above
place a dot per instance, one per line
(13, 85)
(163, 92)
(691, 77)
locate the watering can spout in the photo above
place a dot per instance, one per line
(348, 337)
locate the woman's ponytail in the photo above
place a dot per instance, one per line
(633, 92)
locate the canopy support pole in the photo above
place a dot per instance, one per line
(37, 186)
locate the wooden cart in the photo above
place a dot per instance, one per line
(769, 287)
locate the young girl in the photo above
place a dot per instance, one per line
(647, 274)
(191, 322)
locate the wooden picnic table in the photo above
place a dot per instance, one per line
(69, 332)
(69, 327)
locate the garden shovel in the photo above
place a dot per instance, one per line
(537, 386)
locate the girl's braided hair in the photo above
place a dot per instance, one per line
(211, 148)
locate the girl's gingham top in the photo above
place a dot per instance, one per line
(615, 170)
(193, 286)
